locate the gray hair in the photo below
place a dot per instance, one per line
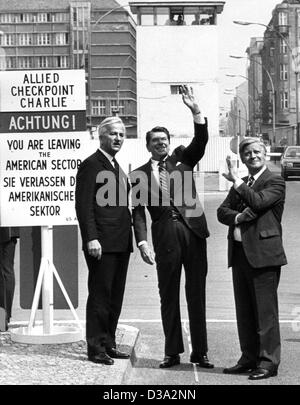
(248, 141)
(107, 122)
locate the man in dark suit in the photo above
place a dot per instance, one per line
(179, 232)
(8, 240)
(105, 224)
(253, 211)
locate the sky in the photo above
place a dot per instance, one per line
(234, 39)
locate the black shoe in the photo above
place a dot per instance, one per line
(201, 360)
(117, 354)
(262, 373)
(239, 369)
(170, 361)
(101, 358)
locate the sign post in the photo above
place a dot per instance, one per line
(42, 142)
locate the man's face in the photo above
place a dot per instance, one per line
(158, 145)
(111, 140)
(254, 157)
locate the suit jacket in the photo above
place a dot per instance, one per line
(6, 233)
(261, 237)
(102, 204)
(183, 194)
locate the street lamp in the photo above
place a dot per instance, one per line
(273, 90)
(251, 81)
(271, 28)
(242, 101)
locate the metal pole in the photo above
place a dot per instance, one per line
(47, 287)
(274, 121)
(297, 109)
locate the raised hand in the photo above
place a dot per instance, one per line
(189, 99)
(231, 175)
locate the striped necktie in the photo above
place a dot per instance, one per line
(163, 178)
(250, 182)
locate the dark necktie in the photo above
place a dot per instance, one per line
(115, 164)
(250, 182)
(163, 178)
(242, 204)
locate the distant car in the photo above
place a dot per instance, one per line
(290, 162)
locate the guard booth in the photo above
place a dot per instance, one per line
(177, 43)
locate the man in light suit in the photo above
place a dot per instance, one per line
(253, 211)
(105, 223)
(8, 240)
(179, 232)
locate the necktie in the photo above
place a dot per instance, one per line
(163, 178)
(251, 180)
(115, 164)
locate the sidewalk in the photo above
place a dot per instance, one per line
(62, 364)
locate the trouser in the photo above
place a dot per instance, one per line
(255, 293)
(7, 275)
(189, 251)
(106, 284)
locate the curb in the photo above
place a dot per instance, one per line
(65, 363)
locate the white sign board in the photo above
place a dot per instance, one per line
(42, 142)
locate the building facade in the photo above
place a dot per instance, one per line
(254, 74)
(98, 36)
(177, 43)
(280, 57)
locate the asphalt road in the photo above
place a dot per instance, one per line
(141, 308)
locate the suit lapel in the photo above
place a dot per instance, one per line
(105, 162)
(261, 180)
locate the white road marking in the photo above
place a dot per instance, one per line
(186, 320)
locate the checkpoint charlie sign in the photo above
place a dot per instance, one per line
(42, 137)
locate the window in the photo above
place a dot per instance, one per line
(9, 39)
(62, 61)
(43, 17)
(272, 51)
(25, 62)
(60, 17)
(98, 107)
(61, 38)
(43, 61)
(11, 62)
(283, 71)
(27, 18)
(282, 18)
(25, 39)
(113, 106)
(283, 46)
(284, 102)
(44, 39)
(5, 18)
(121, 107)
(175, 89)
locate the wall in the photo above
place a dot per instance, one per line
(174, 55)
